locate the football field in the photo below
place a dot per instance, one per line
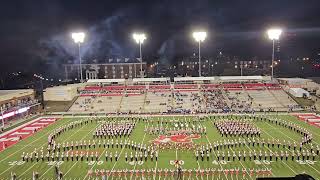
(159, 145)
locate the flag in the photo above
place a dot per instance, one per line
(139, 59)
(126, 59)
(110, 60)
(118, 60)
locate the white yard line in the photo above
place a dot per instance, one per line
(65, 141)
(288, 149)
(22, 149)
(232, 151)
(81, 140)
(262, 163)
(22, 125)
(176, 154)
(217, 158)
(296, 123)
(240, 163)
(28, 144)
(154, 175)
(116, 161)
(272, 127)
(141, 143)
(283, 162)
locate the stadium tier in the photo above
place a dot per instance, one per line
(186, 98)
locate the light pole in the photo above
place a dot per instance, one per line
(78, 38)
(139, 38)
(199, 37)
(273, 34)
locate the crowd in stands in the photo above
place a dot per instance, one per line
(208, 98)
(19, 104)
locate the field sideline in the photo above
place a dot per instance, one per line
(11, 161)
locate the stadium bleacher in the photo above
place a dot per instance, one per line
(184, 98)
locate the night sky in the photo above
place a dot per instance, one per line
(35, 35)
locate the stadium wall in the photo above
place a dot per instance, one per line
(61, 93)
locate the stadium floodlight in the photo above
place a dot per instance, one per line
(78, 38)
(139, 38)
(273, 34)
(199, 36)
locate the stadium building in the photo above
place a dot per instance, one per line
(112, 70)
(17, 103)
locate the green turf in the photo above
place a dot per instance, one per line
(78, 170)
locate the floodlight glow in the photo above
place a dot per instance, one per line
(274, 34)
(199, 36)
(139, 38)
(78, 37)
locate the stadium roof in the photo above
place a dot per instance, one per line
(295, 80)
(223, 78)
(240, 78)
(177, 79)
(165, 79)
(106, 80)
(10, 94)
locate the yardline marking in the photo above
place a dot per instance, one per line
(232, 151)
(20, 150)
(28, 169)
(155, 170)
(50, 167)
(243, 165)
(80, 140)
(29, 143)
(251, 150)
(116, 161)
(239, 161)
(272, 127)
(65, 141)
(263, 164)
(297, 120)
(282, 162)
(134, 168)
(176, 154)
(217, 158)
(198, 169)
(288, 149)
